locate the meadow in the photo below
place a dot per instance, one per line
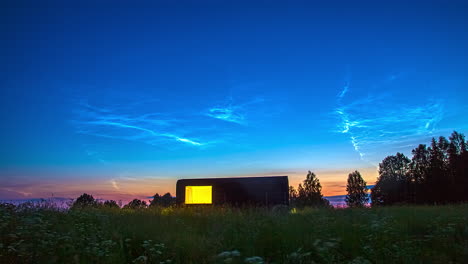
(406, 234)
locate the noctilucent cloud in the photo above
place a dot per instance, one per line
(121, 99)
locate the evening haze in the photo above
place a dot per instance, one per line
(121, 99)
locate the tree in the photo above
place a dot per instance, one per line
(436, 187)
(462, 177)
(301, 194)
(111, 204)
(436, 174)
(85, 201)
(377, 196)
(164, 201)
(392, 185)
(357, 190)
(418, 171)
(292, 196)
(135, 204)
(310, 193)
(419, 164)
(458, 167)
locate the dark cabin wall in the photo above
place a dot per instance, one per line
(269, 190)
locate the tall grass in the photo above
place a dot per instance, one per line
(407, 234)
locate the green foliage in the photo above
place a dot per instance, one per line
(357, 190)
(416, 234)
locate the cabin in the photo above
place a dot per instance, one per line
(257, 191)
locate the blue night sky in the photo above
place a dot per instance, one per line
(120, 99)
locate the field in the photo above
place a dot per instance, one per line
(408, 234)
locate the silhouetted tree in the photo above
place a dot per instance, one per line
(310, 192)
(392, 185)
(85, 201)
(462, 177)
(7, 207)
(419, 168)
(357, 190)
(292, 196)
(135, 204)
(458, 167)
(111, 204)
(436, 180)
(301, 194)
(436, 174)
(164, 201)
(156, 200)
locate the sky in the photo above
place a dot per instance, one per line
(121, 99)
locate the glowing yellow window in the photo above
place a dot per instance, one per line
(198, 194)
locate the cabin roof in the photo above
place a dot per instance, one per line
(228, 178)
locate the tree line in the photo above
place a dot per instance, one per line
(88, 201)
(437, 174)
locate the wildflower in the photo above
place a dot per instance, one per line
(359, 260)
(224, 254)
(228, 254)
(254, 260)
(140, 259)
(298, 255)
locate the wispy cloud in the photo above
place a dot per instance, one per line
(94, 154)
(185, 140)
(23, 193)
(167, 126)
(115, 185)
(344, 90)
(232, 112)
(228, 114)
(382, 122)
(396, 76)
(151, 128)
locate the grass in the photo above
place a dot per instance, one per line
(407, 234)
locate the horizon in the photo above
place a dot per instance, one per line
(121, 101)
(62, 202)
